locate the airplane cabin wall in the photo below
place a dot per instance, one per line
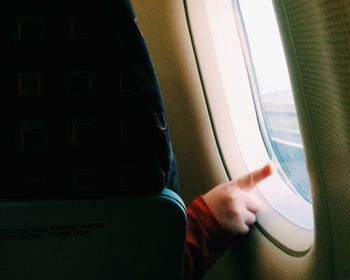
(167, 33)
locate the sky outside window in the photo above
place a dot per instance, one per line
(274, 89)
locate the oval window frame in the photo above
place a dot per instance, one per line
(238, 145)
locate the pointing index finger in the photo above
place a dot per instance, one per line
(249, 181)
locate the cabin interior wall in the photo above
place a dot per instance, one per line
(167, 34)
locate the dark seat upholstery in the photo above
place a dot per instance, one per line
(88, 171)
(81, 111)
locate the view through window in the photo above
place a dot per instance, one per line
(273, 99)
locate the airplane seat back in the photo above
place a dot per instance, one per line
(88, 169)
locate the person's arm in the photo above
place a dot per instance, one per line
(213, 219)
(206, 239)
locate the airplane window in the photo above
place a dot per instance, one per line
(248, 91)
(272, 92)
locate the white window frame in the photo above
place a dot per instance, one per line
(228, 90)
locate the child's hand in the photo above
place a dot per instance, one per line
(233, 204)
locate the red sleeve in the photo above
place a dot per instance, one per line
(206, 240)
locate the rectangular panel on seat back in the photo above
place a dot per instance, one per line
(94, 239)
